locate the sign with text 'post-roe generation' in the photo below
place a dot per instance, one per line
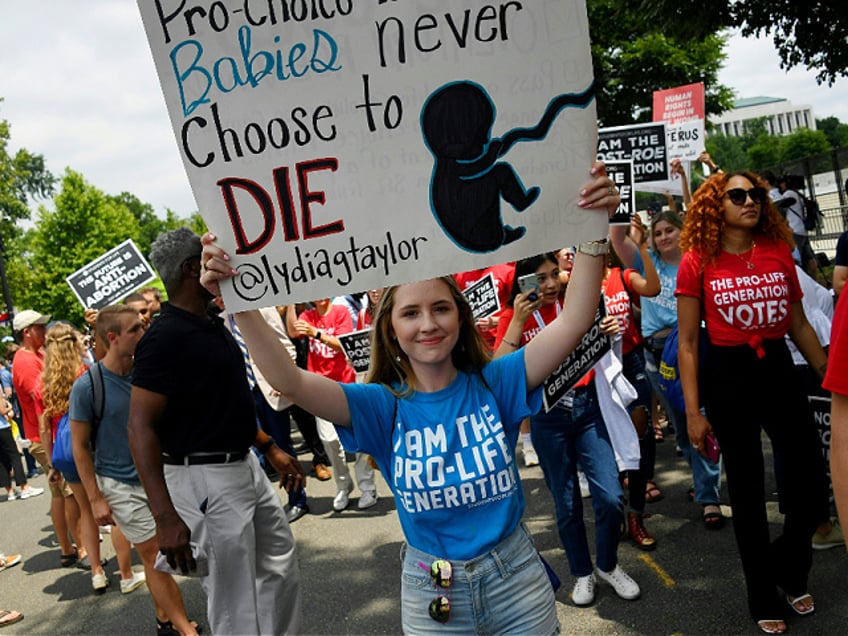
(335, 146)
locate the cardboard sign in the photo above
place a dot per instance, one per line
(621, 172)
(821, 413)
(482, 296)
(680, 104)
(335, 146)
(588, 353)
(109, 278)
(642, 144)
(357, 348)
(683, 109)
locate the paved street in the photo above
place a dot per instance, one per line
(690, 585)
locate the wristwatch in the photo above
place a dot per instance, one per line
(317, 336)
(594, 248)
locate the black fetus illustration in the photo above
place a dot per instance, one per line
(468, 180)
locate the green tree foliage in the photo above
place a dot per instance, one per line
(757, 149)
(803, 143)
(84, 224)
(23, 178)
(812, 34)
(835, 131)
(634, 55)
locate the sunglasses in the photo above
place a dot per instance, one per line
(739, 195)
(441, 572)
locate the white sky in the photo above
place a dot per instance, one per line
(80, 88)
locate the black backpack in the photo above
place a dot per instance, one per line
(812, 214)
(98, 399)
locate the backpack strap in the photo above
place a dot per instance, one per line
(98, 399)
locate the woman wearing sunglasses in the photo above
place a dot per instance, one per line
(738, 276)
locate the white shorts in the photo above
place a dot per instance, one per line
(130, 508)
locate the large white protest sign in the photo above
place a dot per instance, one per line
(335, 146)
(110, 277)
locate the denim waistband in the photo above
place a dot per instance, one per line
(498, 557)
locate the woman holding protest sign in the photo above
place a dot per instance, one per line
(435, 402)
(573, 432)
(738, 276)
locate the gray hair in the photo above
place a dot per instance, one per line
(170, 250)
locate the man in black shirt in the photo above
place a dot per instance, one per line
(192, 422)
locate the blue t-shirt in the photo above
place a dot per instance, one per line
(5, 376)
(660, 311)
(112, 457)
(449, 457)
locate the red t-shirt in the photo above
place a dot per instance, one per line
(545, 315)
(740, 303)
(617, 294)
(503, 276)
(537, 321)
(26, 378)
(836, 378)
(322, 358)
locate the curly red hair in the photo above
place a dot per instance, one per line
(704, 223)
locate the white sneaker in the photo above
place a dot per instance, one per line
(367, 499)
(621, 582)
(341, 500)
(99, 582)
(584, 484)
(11, 496)
(26, 493)
(584, 590)
(128, 585)
(107, 529)
(530, 457)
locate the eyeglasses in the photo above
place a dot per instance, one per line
(441, 572)
(739, 195)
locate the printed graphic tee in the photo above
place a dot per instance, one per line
(448, 456)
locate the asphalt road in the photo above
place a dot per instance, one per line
(692, 583)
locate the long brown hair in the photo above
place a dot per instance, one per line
(705, 219)
(62, 365)
(390, 365)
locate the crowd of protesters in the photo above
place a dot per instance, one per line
(153, 466)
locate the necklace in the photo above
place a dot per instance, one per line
(748, 261)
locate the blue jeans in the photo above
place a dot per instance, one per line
(277, 424)
(706, 474)
(562, 439)
(504, 591)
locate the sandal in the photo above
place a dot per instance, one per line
(9, 617)
(67, 560)
(167, 628)
(714, 520)
(652, 493)
(658, 433)
(772, 626)
(801, 610)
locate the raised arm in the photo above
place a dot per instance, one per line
(315, 393)
(649, 284)
(553, 344)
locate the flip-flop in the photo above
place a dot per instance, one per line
(768, 630)
(9, 617)
(792, 603)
